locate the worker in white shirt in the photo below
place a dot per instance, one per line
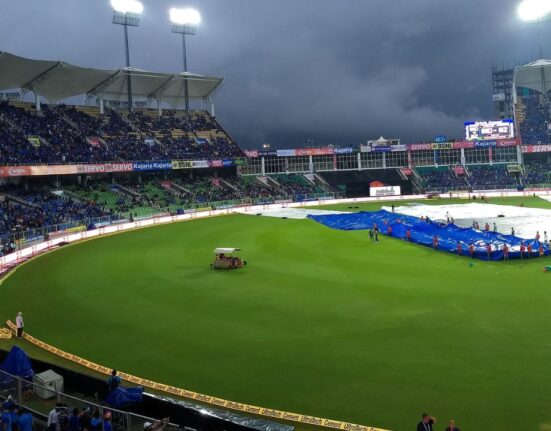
(19, 324)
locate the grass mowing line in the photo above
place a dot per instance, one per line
(207, 399)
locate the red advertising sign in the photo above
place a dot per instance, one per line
(406, 171)
(507, 142)
(15, 171)
(463, 144)
(419, 147)
(536, 148)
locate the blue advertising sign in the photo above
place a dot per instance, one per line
(346, 150)
(440, 138)
(485, 144)
(152, 166)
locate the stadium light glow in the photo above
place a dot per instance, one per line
(127, 6)
(532, 10)
(184, 16)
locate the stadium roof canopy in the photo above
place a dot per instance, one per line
(535, 75)
(57, 80)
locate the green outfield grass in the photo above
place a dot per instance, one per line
(320, 322)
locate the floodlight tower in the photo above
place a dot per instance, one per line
(127, 13)
(185, 21)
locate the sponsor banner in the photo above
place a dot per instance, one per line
(508, 142)
(267, 153)
(419, 147)
(53, 170)
(381, 149)
(251, 153)
(406, 171)
(514, 168)
(385, 191)
(314, 151)
(216, 163)
(365, 148)
(201, 141)
(536, 148)
(189, 164)
(101, 168)
(239, 162)
(34, 141)
(400, 147)
(485, 144)
(285, 153)
(458, 170)
(463, 144)
(15, 171)
(440, 138)
(442, 146)
(226, 163)
(346, 150)
(152, 166)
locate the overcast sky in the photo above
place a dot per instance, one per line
(336, 71)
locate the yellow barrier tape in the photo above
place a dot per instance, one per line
(207, 399)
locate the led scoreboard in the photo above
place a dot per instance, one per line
(489, 130)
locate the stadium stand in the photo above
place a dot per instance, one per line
(61, 134)
(533, 116)
(491, 177)
(442, 179)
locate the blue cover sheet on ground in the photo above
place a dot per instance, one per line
(423, 231)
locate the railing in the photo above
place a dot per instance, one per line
(40, 400)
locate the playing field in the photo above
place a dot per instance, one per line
(320, 322)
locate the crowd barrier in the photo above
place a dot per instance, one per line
(207, 399)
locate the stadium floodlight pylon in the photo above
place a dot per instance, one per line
(184, 21)
(534, 10)
(127, 13)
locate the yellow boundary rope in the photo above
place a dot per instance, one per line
(207, 399)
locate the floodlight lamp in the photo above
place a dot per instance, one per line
(532, 10)
(127, 6)
(186, 16)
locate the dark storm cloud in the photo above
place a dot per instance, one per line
(336, 71)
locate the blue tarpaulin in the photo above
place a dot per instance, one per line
(121, 397)
(423, 231)
(17, 363)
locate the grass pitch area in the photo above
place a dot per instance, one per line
(320, 322)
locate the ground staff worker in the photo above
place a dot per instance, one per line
(19, 324)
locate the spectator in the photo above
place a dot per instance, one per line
(426, 423)
(113, 382)
(74, 420)
(19, 324)
(451, 426)
(25, 422)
